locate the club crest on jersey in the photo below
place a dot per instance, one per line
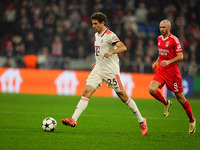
(167, 44)
(101, 41)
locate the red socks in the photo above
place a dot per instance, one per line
(186, 106)
(159, 97)
(188, 110)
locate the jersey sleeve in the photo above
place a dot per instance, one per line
(177, 45)
(114, 39)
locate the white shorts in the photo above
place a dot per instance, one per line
(96, 79)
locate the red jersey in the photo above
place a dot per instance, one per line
(168, 48)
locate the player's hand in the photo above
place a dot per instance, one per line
(106, 55)
(164, 63)
(154, 65)
(93, 65)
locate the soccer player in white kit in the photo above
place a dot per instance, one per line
(106, 68)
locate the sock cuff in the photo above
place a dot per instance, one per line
(84, 99)
(129, 100)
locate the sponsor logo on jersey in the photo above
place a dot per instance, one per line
(163, 51)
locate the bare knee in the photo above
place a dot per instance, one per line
(89, 90)
(152, 90)
(123, 96)
(181, 98)
(153, 87)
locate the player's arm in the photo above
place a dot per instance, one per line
(154, 65)
(179, 57)
(93, 65)
(120, 49)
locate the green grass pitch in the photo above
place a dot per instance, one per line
(107, 123)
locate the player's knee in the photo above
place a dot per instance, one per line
(89, 90)
(152, 90)
(181, 98)
(123, 96)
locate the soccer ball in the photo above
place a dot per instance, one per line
(49, 124)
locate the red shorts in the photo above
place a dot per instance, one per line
(173, 82)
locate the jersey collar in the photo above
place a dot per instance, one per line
(166, 37)
(103, 32)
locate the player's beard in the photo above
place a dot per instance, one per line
(164, 33)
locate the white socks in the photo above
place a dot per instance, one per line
(132, 105)
(80, 107)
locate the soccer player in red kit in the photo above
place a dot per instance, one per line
(170, 52)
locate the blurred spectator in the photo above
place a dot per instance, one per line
(170, 12)
(85, 19)
(81, 53)
(148, 64)
(153, 16)
(42, 58)
(141, 13)
(9, 51)
(151, 50)
(39, 30)
(57, 47)
(21, 52)
(16, 40)
(130, 22)
(193, 68)
(9, 18)
(31, 44)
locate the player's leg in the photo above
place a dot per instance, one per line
(132, 105)
(187, 107)
(81, 106)
(93, 82)
(153, 90)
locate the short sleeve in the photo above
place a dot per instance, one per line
(177, 45)
(114, 39)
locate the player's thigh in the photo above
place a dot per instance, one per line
(94, 79)
(153, 86)
(113, 81)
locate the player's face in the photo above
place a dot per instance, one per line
(164, 29)
(97, 25)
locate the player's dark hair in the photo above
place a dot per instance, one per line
(100, 17)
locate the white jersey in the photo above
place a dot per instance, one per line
(105, 42)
